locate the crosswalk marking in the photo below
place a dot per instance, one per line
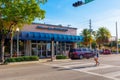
(87, 70)
(77, 65)
(113, 74)
(92, 73)
(96, 68)
(87, 67)
(68, 63)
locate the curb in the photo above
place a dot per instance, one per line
(19, 63)
(62, 60)
(40, 61)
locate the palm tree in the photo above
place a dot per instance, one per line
(87, 37)
(103, 35)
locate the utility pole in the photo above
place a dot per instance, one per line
(90, 28)
(11, 44)
(52, 49)
(116, 39)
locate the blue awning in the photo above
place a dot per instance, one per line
(49, 37)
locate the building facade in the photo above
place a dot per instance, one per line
(46, 39)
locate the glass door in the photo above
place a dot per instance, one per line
(39, 51)
(42, 51)
(43, 48)
(34, 49)
(48, 48)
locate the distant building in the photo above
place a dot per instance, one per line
(113, 38)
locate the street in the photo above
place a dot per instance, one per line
(109, 69)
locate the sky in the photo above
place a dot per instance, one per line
(103, 13)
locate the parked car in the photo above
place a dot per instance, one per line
(100, 51)
(106, 51)
(81, 53)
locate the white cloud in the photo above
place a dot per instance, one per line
(108, 20)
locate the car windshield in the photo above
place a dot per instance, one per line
(81, 49)
(77, 50)
(85, 49)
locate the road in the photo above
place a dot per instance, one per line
(109, 69)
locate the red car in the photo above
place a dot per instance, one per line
(81, 53)
(106, 51)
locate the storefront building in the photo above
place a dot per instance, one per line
(44, 39)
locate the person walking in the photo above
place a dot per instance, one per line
(96, 57)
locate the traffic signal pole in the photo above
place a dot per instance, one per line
(80, 3)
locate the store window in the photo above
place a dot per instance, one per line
(34, 49)
(48, 49)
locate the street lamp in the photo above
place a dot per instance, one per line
(17, 30)
(11, 44)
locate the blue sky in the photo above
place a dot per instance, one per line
(101, 12)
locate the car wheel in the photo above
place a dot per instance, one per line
(87, 57)
(81, 56)
(72, 56)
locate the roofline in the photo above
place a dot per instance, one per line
(56, 25)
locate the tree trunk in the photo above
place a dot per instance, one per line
(2, 50)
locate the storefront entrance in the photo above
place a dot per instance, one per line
(43, 49)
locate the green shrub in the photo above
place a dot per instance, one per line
(115, 51)
(23, 58)
(34, 58)
(26, 58)
(10, 60)
(61, 57)
(19, 59)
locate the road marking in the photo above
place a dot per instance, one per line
(113, 74)
(64, 64)
(76, 65)
(68, 63)
(86, 70)
(109, 77)
(86, 67)
(97, 67)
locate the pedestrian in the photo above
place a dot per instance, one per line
(96, 57)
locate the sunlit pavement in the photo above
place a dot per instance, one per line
(109, 69)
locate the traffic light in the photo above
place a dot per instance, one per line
(76, 4)
(87, 1)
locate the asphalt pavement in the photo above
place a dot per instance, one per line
(109, 69)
